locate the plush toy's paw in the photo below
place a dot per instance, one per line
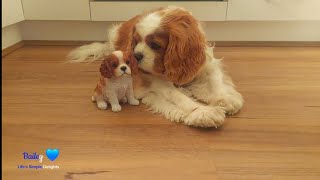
(124, 100)
(116, 108)
(134, 102)
(102, 105)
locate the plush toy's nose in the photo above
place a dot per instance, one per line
(123, 68)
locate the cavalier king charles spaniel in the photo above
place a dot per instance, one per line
(115, 82)
(178, 74)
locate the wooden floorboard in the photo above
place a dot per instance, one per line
(46, 104)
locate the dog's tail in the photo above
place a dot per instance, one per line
(90, 52)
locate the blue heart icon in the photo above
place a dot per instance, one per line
(52, 154)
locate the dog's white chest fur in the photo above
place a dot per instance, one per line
(118, 86)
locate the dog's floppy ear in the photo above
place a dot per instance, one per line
(133, 63)
(185, 52)
(105, 67)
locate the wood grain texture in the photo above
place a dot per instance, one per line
(46, 104)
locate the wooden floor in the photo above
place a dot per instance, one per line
(46, 104)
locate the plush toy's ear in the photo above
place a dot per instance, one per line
(105, 68)
(185, 52)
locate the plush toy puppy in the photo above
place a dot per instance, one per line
(115, 82)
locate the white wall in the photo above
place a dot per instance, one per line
(216, 31)
(11, 12)
(56, 9)
(11, 35)
(65, 30)
(86, 30)
(276, 10)
(264, 31)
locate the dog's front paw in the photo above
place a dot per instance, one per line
(102, 105)
(116, 108)
(231, 104)
(206, 116)
(134, 102)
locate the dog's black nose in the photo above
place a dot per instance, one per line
(123, 68)
(138, 56)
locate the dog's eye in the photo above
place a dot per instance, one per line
(114, 65)
(134, 43)
(155, 46)
(128, 62)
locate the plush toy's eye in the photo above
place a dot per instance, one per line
(114, 65)
(128, 62)
(155, 46)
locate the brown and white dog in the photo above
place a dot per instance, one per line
(115, 82)
(177, 67)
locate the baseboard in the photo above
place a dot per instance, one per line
(12, 48)
(215, 31)
(267, 43)
(56, 43)
(20, 44)
(216, 44)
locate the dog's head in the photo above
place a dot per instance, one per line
(169, 42)
(117, 64)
